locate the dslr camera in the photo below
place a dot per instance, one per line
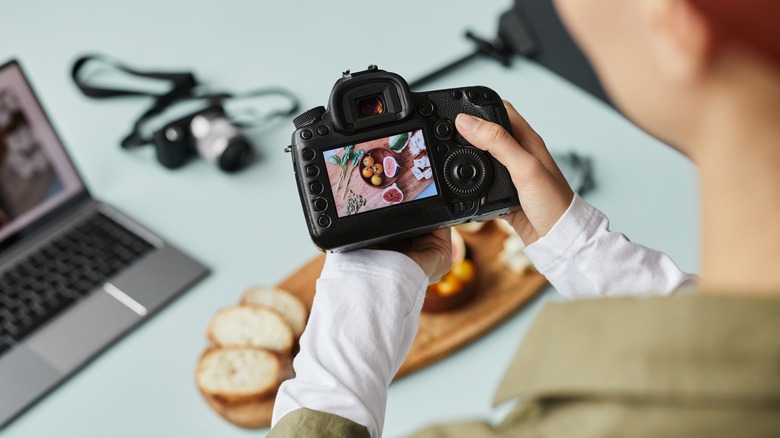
(382, 163)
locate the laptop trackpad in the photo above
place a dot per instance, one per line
(25, 377)
(82, 331)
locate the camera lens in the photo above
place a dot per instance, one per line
(236, 155)
(371, 106)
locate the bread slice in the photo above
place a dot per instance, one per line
(253, 414)
(251, 326)
(288, 305)
(240, 374)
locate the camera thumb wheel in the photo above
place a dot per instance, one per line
(467, 172)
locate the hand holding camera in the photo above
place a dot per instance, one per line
(541, 187)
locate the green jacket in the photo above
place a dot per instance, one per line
(684, 366)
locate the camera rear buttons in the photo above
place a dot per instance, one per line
(312, 170)
(466, 171)
(461, 206)
(456, 94)
(308, 154)
(443, 129)
(309, 116)
(472, 95)
(426, 109)
(322, 130)
(324, 221)
(306, 134)
(320, 204)
(442, 149)
(316, 187)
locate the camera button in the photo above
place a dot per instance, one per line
(459, 207)
(316, 187)
(488, 96)
(457, 94)
(312, 170)
(320, 204)
(443, 129)
(466, 171)
(324, 221)
(306, 134)
(322, 130)
(472, 95)
(442, 149)
(308, 154)
(426, 109)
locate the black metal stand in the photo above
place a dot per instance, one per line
(514, 38)
(495, 49)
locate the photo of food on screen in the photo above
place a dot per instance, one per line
(26, 176)
(380, 173)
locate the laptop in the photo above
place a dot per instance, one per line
(75, 273)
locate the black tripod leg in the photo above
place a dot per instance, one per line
(443, 70)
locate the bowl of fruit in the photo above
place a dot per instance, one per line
(379, 167)
(458, 286)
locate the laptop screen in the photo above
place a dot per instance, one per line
(36, 175)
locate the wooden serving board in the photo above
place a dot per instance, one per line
(500, 293)
(406, 182)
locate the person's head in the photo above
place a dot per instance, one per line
(663, 61)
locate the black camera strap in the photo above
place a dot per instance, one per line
(254, 119)
(183, 86)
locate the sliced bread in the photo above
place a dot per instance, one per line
(288, 305)
(251, 326)
(253, 414)
(239, 374)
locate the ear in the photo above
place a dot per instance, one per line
(681, 39)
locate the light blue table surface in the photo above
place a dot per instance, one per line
(248, 227)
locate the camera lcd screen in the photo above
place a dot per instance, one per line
(380, 173)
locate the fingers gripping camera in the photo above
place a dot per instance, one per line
(383, 163)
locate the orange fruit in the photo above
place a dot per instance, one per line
(376, 180)
(368, 161)
(367, 172)
(464, 271)
(377, 168)
(449, 285)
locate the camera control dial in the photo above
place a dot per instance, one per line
(467, 172)
(309, 117)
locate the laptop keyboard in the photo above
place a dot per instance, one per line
(61, 272)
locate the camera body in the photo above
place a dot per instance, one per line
(208, 133)
(428, 177)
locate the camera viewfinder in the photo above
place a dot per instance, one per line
(371, 106)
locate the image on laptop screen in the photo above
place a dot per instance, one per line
(36, 175)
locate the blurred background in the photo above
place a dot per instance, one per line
(248, 226)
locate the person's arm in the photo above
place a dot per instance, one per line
(567, 239)
(582, 258)
(364, 318)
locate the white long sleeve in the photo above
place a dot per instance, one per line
(582, 258)
(364, 318)
(367, 307)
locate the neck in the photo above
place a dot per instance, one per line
(738, 154)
